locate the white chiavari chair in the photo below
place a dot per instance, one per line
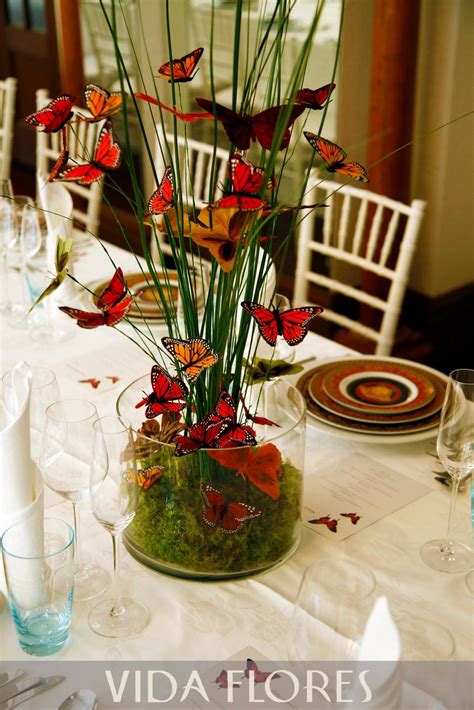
(7, 118)
(365, 232)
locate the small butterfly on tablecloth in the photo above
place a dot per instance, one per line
(259, 676)
(326, 520)
(112, 378)
(354, 518)
(92, 381)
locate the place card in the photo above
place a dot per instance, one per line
(348, 494)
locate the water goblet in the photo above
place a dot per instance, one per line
(114, 497)
(455, 446)
(44, 391)
(334, 601)
(64, 464)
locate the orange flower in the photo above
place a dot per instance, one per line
(223, 234)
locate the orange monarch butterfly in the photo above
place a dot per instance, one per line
(101, 103)
(163, 198)
(146, 477)
(181, 70)
(334, 158)
(194, 355)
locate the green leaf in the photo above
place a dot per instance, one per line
(61, 259)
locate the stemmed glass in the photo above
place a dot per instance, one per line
(30, 244)
(114, 496)
(44, 391)
(455, 446)
(64, 464)
(8, 236)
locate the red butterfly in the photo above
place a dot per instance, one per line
(167, 396)
(247, 180)
(181, 70)
(242, 129)
(334, 158)
(263, 421)
(291, 324)
(315, 99)
(258, 675)
(162, 199)
(91, 381)
(223, 682)
(353, 517)
(54, 115)
(234, 434)
(113, 303)
(230, 516)
(260, 464)
(112, 378)
(62, 159)
(199, 436)
(108, 156)
(330, 523)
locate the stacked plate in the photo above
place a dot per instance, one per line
(146, 297)
(374, 398)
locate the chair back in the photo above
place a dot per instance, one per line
(7, 118)
(82, 138)
(101, 41)
(361, 232)
(197, 176)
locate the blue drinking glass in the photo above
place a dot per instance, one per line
(38, 559)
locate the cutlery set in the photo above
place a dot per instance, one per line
(15, 689)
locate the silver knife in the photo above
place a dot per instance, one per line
(17, 686)
(6, 678)
(42, 685)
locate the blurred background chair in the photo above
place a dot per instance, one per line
(82, 138)
(7, 116)
(362, 234)
(196, 172)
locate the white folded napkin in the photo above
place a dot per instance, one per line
(17, 470)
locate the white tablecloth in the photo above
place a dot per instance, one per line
(193, 620)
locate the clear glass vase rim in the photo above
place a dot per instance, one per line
(63, 402)
(230, 448)
(315, 568)
(60, 550)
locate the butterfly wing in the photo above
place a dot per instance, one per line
(237, 127)
(194, 355)
(114, 292)
(60, 163)
(181, 69)
(331, 154)
(84, 318)
(225, 408)
(235, 515)
(353, 170)
(265, 123)
(245, 177)
(54, 115)
(163, 197)
(108, 153)
(294, 323)
(148, 476)
(116, 313)
(214, 505)
(236, 435)
(266, 321)
(82, 174)
(165, 387)
(315, 99)
(101, 103)
(245, 203)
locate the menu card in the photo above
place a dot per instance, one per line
(351, 493)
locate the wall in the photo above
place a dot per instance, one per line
(442, 171)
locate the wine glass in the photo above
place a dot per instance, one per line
(455, 446)
(64, 464)
(114, 496)
(44, 391)
(8, 236)
(334, 601)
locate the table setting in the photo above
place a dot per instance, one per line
(191, 477)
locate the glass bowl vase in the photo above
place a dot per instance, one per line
(186, 522)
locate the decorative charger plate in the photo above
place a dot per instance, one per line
(366, 433)
(320, 398)
(379, 386)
